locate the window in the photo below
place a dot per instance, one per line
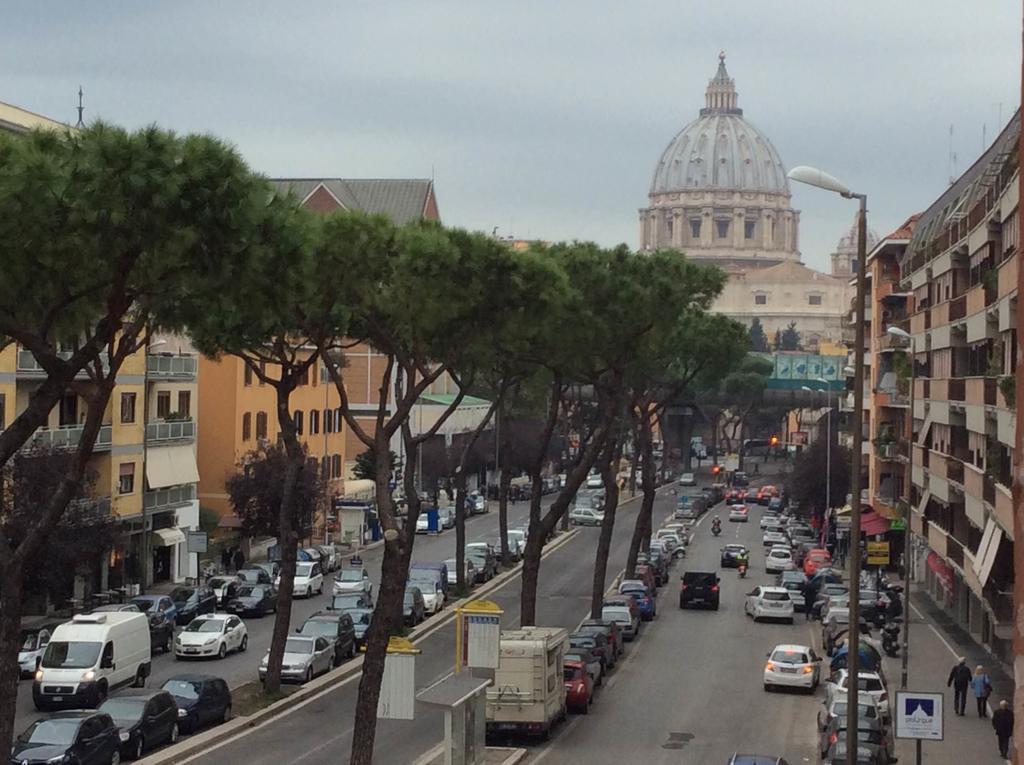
(303, 379)
(126, 482)
(761, 299)
(336, 466)
(854, 265)
(261, 424)
(723, 228)
(670, 226)
(185, 403)
(337, 420)
(247, 426)
(695, 228)
(325, 468)
(127, 407)
(748, 229)
(314, 421)
(298, 416)
(248, 374)
(814, 300)
(163, 404)
(263, 371)
(328, 421)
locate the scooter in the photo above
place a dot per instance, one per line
(716, 530)
(890, 639)
(742, 568)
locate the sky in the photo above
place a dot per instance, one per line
(542, 119)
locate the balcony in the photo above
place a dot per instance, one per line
(894, 450)
(956, 389)
(29, 368)
(955, 471)
(955, 552)
(989, 490)
(165, 499)
(68, 437)
(165, 431)
(172, 367)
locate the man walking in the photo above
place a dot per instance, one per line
(809, 598)
(959, 678)
(1002, 721)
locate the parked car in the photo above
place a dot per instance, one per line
(360, 623)
(792, 666)
(145, 719)
(272, 568)
(211, 636)
(430, 587)
(485, 563)
(254, 599)
(777, 560)
(626, 618)
(585, 516)
(309, 579)
(161, 612)
(592, 663)
(837, 708)
(516, 541)
(255, 575)
(337, 628)
(816, 559)
(687, 479)
(699, 587)
(642, 595)
(304, 659)
(352, 579)
(79, 736)
(414, 610)
(579, 687)
(870, 683)
(190, 602)
(350, 600)
(769, 603)
(201, 699)
(116, 608)
(874, 744)
(597, 643)
(33, 644)
(224, 587)
(774, 535)
(329, 557)
(594, 481)
(611, 632)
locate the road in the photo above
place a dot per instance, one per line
(238, 669)
(324, 725)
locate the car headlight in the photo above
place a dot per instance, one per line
(88, 675)
(182, 713)
(62, 758)
(39, 674)
(211, 641)
(124, 735)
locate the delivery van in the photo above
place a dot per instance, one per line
(528, 692)
(89, 656)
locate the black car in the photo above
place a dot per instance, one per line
(337, 628)
(193, 601)
(200, 698)
(253, 600)
(597, 643)
(82, 736)
(413, 608)
(348, 600)
(732, 553)
(254, 575)
(161, 612)
(360, 623)
(740, 478)
(699, 587)
(148, 718)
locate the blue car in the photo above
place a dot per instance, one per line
(645, 602)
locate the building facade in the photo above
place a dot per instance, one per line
(961, 266)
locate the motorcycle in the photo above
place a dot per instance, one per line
(742, 568)
(716, 530)
(890, 639)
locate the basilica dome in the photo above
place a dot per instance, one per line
(720, 149)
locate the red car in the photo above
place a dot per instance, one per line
(579, 688)
(815, 559)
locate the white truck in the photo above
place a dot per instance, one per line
(528, 693)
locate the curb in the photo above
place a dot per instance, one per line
(196, 744)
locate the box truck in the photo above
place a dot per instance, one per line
(528, 693)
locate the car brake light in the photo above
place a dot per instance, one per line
(714, 588)
(808, 669)
(685, 586)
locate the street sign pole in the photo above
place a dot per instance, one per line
(918, 748)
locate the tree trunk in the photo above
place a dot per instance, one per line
(461, 585)
(642, 526)
(687, 436)
(10, 644)
(504, 482)
(604, 542)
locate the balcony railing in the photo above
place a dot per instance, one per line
(989, 489)
(173, 430)
(68, 437)
(172, 497)
(28, 366)
(956, 390)
(955, 552)
(958, 308)
(892, 450)
(955, 470)
(175, 367)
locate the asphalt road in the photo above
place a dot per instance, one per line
(238, 669)
(691, 688)
(320, 730)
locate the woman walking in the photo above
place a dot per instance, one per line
(982, 687)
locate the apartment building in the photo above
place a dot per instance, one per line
(961, 265)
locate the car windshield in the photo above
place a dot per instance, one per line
(126, 708)
(865, 683)
(424, 585)
(250, 592)
(205, 625)
(734, 548)
(350, 575)
(615, 614)
(219, 581)
(181, 594)
(57, 732)
(780, 554)
(72, 654)
(183, 689)
(775, 595)
(340, 601)
(315, 628)
(304, 569)
(29, 641)
(294, 645)
(572, 673)
(789, 657)
(360, 615)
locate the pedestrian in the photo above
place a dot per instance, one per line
(225, 558)
(1002, 721)
(809, 598)
(959, 678)
(238, 559)
(982, 687)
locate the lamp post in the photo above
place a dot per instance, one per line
(904, 335)
(822, 180)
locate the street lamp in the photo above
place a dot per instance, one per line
(814, 177)
(904, 335)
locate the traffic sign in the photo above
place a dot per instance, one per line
(919, 715)
(878, 553)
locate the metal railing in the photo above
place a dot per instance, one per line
(170, 430)
(28, 365)
(172, 366)
(172, 497)
(68, 437)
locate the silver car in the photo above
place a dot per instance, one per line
(304, 659)
(585, 516)
(352, 580)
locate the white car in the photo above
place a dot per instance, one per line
(769, 519)
(739, 514)
(870, 683)
(433, 595)
(213, 635)
(792, 666)
(585, 516)
(769, 603)
(687, 479)
(594, 481)
(516, 543)
(224, 587)
(352, 580)
(778, 559)
(446, 516)
(309, 580)
(772, 538)
(304, 658)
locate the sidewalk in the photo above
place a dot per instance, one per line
(935, 645)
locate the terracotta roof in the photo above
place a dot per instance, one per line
(905, 229)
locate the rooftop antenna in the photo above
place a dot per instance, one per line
(81, 109)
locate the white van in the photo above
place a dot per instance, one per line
(89, 656)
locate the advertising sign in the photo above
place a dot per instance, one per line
(878, 553)
(196, 541)
(918, 715)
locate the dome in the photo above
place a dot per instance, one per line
(720, 149)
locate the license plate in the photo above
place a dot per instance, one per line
(191, 650)
(775, 605)
(791, 670)
(58, 698)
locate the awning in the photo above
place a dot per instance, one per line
(941, 569)
(990, 555)
(168, 537)
(872, 524)
(171, 466)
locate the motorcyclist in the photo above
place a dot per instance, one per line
(743, 562)
(716, 522)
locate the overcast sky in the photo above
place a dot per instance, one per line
(542, 118)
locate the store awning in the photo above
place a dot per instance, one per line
(171, 466)
(872, 524)
(168, 537)
(990, 555)
(941, 570)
